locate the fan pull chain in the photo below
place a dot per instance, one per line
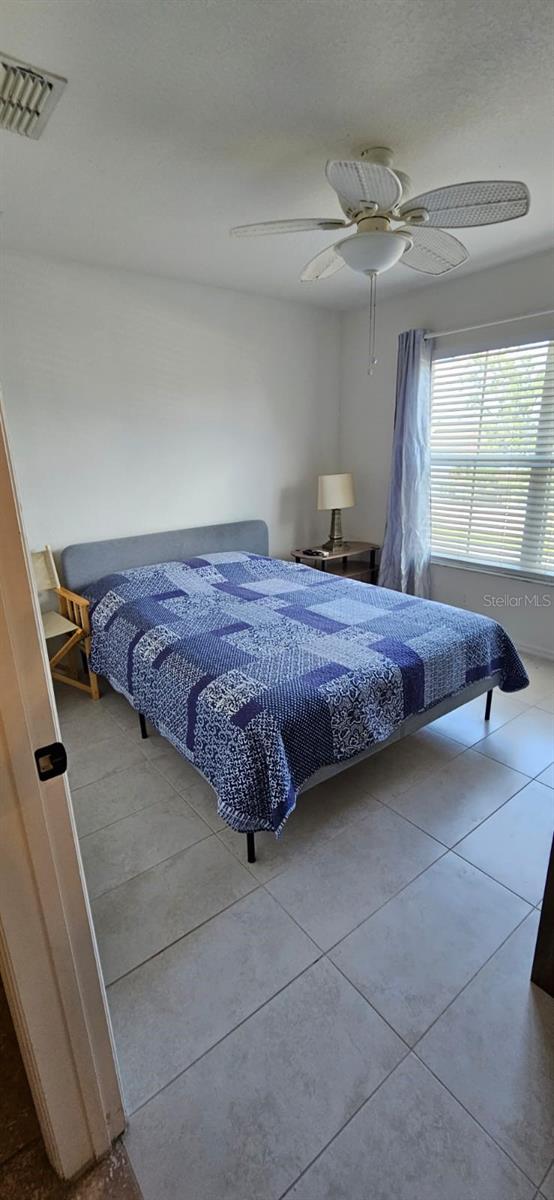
(372, 307)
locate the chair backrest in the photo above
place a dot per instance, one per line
(44, 570)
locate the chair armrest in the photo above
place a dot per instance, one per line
(74, 607)
(80, 600)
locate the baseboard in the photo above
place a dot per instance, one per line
(539, 651)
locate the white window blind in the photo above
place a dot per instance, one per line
(492, 456)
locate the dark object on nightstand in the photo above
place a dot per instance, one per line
(354, 560)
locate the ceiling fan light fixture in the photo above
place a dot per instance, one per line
(373, 253)
(414, 216)
(370, 192)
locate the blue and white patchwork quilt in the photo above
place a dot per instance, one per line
(261, 671)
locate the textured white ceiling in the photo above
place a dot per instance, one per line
(184, 117)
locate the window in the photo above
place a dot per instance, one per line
(492, 447)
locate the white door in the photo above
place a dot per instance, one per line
(48, 955)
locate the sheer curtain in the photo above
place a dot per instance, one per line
(406, 548)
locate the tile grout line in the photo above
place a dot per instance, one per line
(343, 1127)
(387, 901)
(531, 903)
(223, 1037)
(410, 1046)
(151, 804)
(502, 763)
(152, 867)
(528, 778)
(151, 762)
(350, 825)
(372, 1096)
(453, 848)
(472, 745)
(321, 952)
(144, 761)
(449, 848)
(388, 804)
(261, 885)
(537, 779)
(198, 774)
(137, 764)
(370, 796)
(418, 876)
(122, 729)
(473, 977)
(400, 1036)
(368, 916)
(550, 764)
(252, 1014)
(441, 1081)
(473, 1117)
(79, 787)
(446, 850)
(528, 710)
(450, 1002)
(326, 842)
(409, 1049)
(100, 895)
(181, 937)
(545, 1177)
(118, 729)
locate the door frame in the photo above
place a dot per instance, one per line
(48, 953)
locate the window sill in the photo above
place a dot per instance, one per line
(459, 564)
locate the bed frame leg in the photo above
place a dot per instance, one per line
(250, 847)
(142, 722)
(488, 706)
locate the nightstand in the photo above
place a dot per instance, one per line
(354, 560)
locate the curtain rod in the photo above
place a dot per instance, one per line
(545, 312)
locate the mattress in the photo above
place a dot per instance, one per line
(261, 672)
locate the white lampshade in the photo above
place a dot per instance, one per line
(335, 491)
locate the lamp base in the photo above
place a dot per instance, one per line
(335, 540)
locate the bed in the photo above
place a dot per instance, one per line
(269, 676)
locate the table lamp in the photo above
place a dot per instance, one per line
(335, 492)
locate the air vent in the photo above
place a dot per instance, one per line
(27, 96)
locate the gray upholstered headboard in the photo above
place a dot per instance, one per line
(87, 561)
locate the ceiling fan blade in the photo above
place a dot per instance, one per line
(434, 252)
(324, 264)
(468, 204)
(293, 226)
(359, 183)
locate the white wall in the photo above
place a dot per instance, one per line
(136, 403)
(367, 415)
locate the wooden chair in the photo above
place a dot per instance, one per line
(70, 621)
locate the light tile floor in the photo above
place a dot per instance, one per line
(350, 1017)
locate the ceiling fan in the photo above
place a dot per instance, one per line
(392, 228)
